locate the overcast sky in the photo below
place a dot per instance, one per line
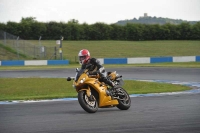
(92, 11)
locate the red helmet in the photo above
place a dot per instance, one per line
(84, 56)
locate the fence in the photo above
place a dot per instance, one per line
(25, 49)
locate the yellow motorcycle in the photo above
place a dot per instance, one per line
(93, 94)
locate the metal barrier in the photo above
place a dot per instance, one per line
(24, 48)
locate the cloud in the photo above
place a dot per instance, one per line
(91, 11)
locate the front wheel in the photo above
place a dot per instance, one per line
(123, 99)
(90, 105)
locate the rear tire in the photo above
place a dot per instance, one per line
(90, 106)
(125, 100)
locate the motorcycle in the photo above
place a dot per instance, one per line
(93, 94)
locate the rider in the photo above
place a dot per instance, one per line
(95, 66)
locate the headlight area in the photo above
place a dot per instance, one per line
(82, 80)
(79, 82)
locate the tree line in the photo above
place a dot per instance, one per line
(30, 29)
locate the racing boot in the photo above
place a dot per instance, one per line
(112, 89)
(108, 82)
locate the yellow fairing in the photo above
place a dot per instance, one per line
(104, 99)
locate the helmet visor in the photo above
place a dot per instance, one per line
(82, 58)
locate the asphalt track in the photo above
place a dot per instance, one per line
(146, 73)
(162, 114)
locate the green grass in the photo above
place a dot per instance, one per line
(120, 49)
(7, 53)
(48, 88)
(124, 49)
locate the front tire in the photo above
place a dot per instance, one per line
(90, 106)
(124, 99)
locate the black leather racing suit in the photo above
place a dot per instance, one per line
(96, 67)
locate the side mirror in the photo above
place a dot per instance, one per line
(69, 78)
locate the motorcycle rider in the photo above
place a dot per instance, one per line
(94, 66)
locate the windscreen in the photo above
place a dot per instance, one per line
(78, 74)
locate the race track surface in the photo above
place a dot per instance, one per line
(151, 73)
(171, 114)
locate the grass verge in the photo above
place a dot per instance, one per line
(48, 88)
(7, 53)
(124, 49)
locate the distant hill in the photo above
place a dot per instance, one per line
(154, 20)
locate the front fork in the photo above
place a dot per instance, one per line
(88, 93)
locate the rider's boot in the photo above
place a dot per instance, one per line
(110, 83)
(112, 87)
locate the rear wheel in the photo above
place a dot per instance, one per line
(123, 99)
(89, 104)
